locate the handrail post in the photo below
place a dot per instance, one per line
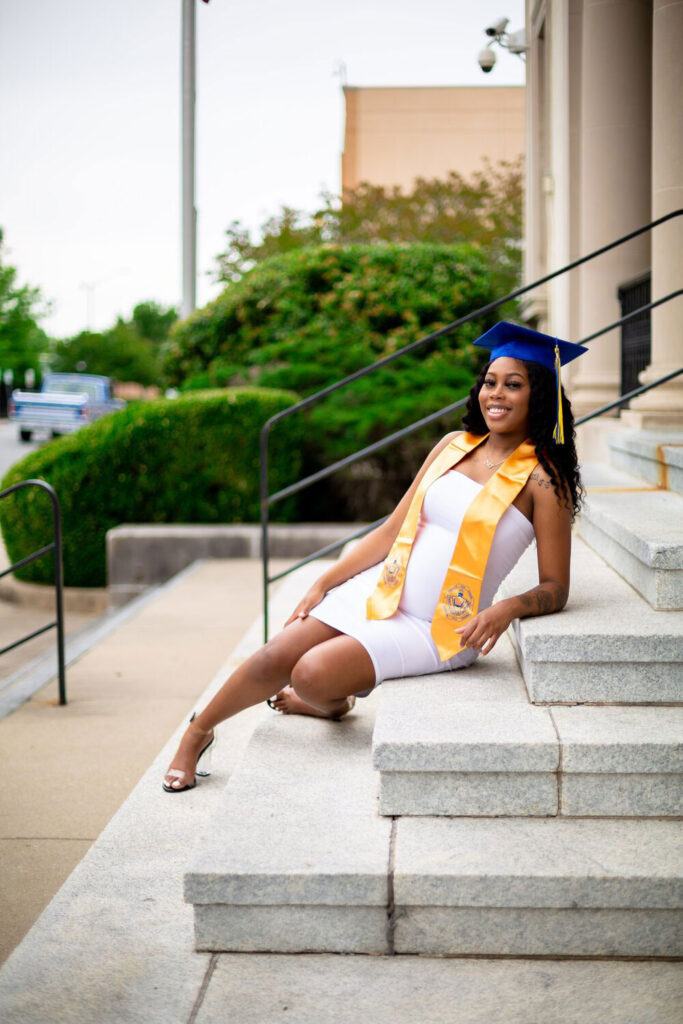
(59, 594)
(263, 445)
(56, 546)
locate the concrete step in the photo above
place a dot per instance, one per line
(620, 761)
(608, 646)
(440, 754)
(534, 887)
(654, 456)
(298, 859)
(640, 535)
(602, 476)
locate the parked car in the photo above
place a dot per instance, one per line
(65, 403)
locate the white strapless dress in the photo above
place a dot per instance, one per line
(402, 645)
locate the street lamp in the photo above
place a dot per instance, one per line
(189, 212)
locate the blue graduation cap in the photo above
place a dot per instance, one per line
(506, 339)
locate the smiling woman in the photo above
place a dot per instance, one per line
(416, 594)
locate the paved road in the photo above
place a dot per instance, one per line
(11, 448)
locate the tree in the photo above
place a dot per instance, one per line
(128, 351)
(151, 322)
(485, 210)
(22, 341)
(118, 353)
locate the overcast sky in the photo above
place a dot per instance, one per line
(90, 125)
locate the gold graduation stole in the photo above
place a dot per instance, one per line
(461, 589)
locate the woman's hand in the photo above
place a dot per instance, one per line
(484, 629)
(312, 598)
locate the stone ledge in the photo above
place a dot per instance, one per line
(661, 588)
(605, 620)
(469, 794)
(438, 990)
(620, 739)
(298, 823)
(607, 646)
(481, 931)
(645, 453)
(440, 754)
(648, 524)
(291, 929)
(139, 556)
(673, 456)
(640, 535)
(464, 737)
(637, 795)
(549, 863)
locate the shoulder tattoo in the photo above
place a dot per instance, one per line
(540, 480)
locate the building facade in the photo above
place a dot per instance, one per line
(604, 157)
(394, 135)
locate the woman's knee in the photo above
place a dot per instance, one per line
(307, 676)
(272, 663)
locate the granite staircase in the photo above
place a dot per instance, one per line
(528, 806)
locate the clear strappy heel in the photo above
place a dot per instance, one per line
(206, 759)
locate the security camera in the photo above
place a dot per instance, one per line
(498, 27)
(487, 59)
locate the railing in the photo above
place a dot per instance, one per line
(270, 499)
(55, 546)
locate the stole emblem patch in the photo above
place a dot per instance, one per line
(392, 573)
(458, 602)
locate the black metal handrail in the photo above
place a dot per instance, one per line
(335, 545)
(267, 500)
(55, 546)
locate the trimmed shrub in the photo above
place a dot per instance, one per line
(194, 459)
(304, 319)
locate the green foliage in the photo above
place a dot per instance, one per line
(485, 210)
(307, 318)
(128, 351)
(118, 354)
(194, 459)
(151, 322)
(21, 339)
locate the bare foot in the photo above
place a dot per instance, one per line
(287, 701)
(181, 774)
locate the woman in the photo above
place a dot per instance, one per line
(477, 502)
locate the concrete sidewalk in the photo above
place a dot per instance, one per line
(71, 768)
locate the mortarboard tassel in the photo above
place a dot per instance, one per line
(558, 432)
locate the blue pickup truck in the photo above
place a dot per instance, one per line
(66, 402)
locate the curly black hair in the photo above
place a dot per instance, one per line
(558, 460)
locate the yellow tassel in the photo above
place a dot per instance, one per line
(558, 433)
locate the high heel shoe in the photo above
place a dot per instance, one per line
(205, 755)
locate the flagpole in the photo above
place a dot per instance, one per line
(189, 213)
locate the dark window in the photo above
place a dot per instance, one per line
(635, 333)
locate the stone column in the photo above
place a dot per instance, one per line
(664, 405)
(615, 178)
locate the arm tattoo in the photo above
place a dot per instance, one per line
(539, 480)
(544, 599)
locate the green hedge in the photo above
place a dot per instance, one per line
(304, 319)
(194, 459)
(307, 318)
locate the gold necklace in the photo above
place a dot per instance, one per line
(495, 465)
